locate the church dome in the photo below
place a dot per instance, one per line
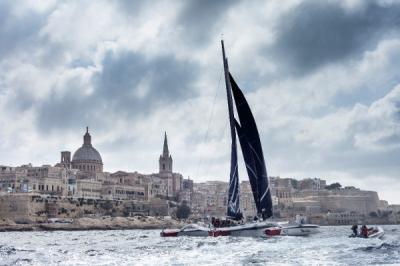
(87, 153)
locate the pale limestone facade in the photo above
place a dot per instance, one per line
(88, 189)
(13, 179)
(123, 192)
(345, 218)
(28, 179)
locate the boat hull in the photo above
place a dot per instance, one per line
(258, 229)
(188, 230)
(300, 230)
(377, 232)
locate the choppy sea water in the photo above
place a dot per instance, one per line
(145, 247)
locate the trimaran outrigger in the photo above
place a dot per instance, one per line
(246, 129)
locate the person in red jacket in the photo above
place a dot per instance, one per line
(364, 231)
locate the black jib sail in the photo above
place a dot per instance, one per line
(252, 152)
(233, 208)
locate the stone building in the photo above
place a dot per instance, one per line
(247, 205)
(210, 198)
(174, 180)
(185, 194)
(311, 184)
(45, 179)
(123, 192)
(88, 189)
(65, 161)
(165, 161)
(87, 158)
(13, 179)
(344, 218)
(284, 196)
(342, 200)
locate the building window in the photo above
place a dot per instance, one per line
(47, 187)
(163, 166)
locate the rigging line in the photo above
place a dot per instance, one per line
(209, 121)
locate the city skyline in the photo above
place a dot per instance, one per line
(327, 103)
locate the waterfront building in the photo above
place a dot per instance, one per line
(307, 206)
(88, 189)
(123, 192)
(186, 192)
(86, 159)
(345, 218)
(342, 200)
(247, 205)
(13, 179)
(45, 179)
(311, 184)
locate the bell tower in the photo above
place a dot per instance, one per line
(165, 161)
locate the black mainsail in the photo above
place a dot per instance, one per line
(250, 143)
(233, 208)
(252, 152)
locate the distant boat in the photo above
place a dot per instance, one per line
(373, 232)
(187, 230)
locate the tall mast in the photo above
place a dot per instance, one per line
(229, 95)
(233, 209)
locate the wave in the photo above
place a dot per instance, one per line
(21, 261)
(382, 247)
(93, 252)
(9, 250)
(202, 243)
(6, 250)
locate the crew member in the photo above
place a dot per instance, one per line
(364, 231)
(355, 229)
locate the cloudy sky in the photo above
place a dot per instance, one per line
(323, 80)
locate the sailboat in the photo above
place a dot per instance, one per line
(245, 129)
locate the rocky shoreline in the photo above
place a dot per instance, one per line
(104, 223)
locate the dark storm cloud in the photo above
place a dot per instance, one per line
(165, 79)
(69, 112)
(320, 32)
(17, 31)
(117, 90)
(198, 18)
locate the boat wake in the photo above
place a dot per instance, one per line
(384, 247)
(204, 243)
